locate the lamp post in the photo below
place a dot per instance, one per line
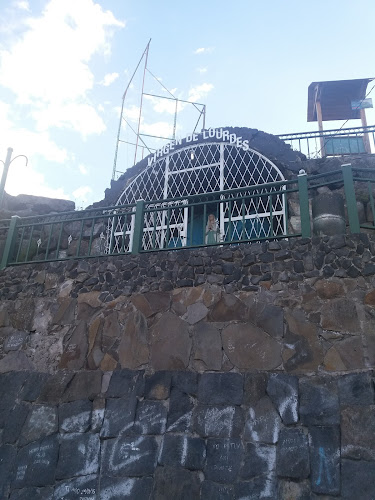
(6, 164)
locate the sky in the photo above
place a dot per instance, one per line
(64, 66)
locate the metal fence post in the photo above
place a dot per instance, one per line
(304, 204)
(9, 243)
(138, 227)
(351, 202)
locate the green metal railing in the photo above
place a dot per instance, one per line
(157, 225)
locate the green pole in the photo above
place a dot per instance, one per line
(138, 227)
(304, 204)
(9, 243)
(5, 174)
(351, 202)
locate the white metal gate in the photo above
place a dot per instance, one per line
(201, 169)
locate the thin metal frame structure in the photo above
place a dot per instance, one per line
(200, 107)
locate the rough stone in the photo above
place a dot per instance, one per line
(14, 340)
(180, 411)
(69, 489)
(340, 315)
(36, 463)
(271, 320)
(115, 488)
(325, 460)
(178, 483)
(356, 389)
(84, 385)
(357, 479)
(55, 387)
(358, 432)
(125, 383)
(319, 402)
(15, 361)
(42, 421)
(254, 387)
(208, 349)
(263, 423)
(250, 348)
(32, 494)
(183, 451)
(170, 343)
(7, 457)
(290, 490)
(75, 417)
(127, 456)
(157, 386)
(302, 337)
(133, 350)
(119, 416)
(229, 308)
(283, 391)
(216, 491)
(15, 418)
(260, 459)
(293, 454)
(327, 289)
(259, 487)
(151, 418)
(78, 455)
(218, 421)
(196, 312)
(220, 388)
(224, 457)
(75, 352)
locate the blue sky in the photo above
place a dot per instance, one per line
(64, 65)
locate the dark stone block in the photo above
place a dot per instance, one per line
(75, 416)
(298, 266)
(79, 455)
(183, 451)
(328, 271)
(116, 488)
(119, 416)
(10, 387)
(32, 494)
(293, 454)
(214, 491)
(271, 319)
(41, 422)
(36, 463)
(55, 387)
(260, 459)
(325, 460)
(170, 483)
(84, 385)
(218, 421)
(224, 457)
(7, 456)
(369, 269)
(127, 456)
(358, 432)
(33, 386)
(186, 382)
(227, 268)
(293, 490)
(337, 241)
(84, 488)
(180, 411)
(263, 422)
(14, 422)
(259, 487)
(353, 272)
(357, 480)
(319, 402)
(356, 389)
(266, 257)
(254, 387)
(220, 388)
(151, 418)
(283, 391)
(282, 254)
(125, 383)
(157, 386)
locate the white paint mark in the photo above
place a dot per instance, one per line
(184, 450)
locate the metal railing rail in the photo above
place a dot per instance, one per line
(91, 233)
(310, 143)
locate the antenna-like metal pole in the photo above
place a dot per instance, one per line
(141, 103)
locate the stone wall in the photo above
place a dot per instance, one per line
(215, 373)
(181, 435)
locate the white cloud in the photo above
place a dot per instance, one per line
(204, 50)
(109, 78)
(47, 67)
(202, 70)
(200, 92)
(83, 169)
(131, 113)
(22, 5)
(163, 105)
(81, 195)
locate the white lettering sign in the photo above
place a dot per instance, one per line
(212, 133)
